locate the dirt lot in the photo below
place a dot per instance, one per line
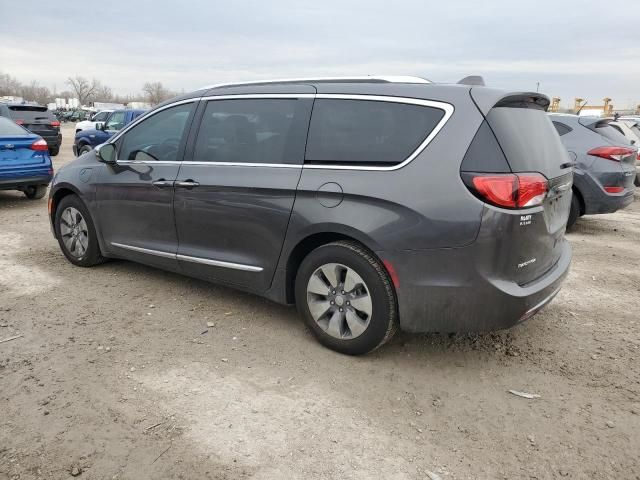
(117, 376)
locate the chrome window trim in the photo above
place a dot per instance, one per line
(150, 114)
(187, 258)
(446, 107)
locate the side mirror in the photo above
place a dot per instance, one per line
(99, 126)
(106, 153)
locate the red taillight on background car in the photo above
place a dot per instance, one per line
(510, 190)
(39, 145)
(20, 121)
(612, 153)
(614, 189)
(55, 123)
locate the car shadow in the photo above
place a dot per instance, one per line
(14, 198)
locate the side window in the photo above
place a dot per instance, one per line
(100, 117)
(367, 131)
(158, 137)
(562, 128)
(116, 121)
(253, 131)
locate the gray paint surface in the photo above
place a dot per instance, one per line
(444, 243)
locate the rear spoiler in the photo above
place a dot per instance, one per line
(488, 98)
(590, 121)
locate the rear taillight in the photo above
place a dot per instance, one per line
(612, 153)
(39, 145)
(510, 190)
(614, 189)
(55, 123)
(20, 121)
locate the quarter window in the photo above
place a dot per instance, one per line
(158, 137)
(268, 131)
(367, 132)
(562, 128)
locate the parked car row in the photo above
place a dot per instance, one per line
(605, 163)
(37, 119)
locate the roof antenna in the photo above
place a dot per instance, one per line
(472, 80)
(580, 109)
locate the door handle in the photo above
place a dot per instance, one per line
(162, 183)
(187, 184)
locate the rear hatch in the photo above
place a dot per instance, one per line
(517, 165)
(17, 153)
(616, 148)
(36, 119)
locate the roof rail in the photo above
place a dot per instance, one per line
(368, 78)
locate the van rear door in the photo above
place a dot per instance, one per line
(529, 148)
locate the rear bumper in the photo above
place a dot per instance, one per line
(597, 201)
(441, 290)
(13, 183)
(53, 141)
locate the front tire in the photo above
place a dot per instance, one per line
(84, 149)
(346, 298)
(76, 233)
(35, 192)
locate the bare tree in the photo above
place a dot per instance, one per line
(84, 89)
(155, 92)
(104, 94)
(9, 85)
(35, 92)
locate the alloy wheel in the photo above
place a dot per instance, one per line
(74, 232)
(339, 301)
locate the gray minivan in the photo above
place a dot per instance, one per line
(370, 203)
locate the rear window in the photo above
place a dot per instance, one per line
(30, 113)
(361, 132)
(610, 132)
(7, 127)
(528, 140)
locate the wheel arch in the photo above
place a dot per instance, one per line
(309, 243)
(56, 197)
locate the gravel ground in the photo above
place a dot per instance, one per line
(117, 376)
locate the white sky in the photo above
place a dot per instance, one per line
(584, 48)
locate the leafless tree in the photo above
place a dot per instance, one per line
(155, 92)
(84, 89)
(35, 92)
(9, 85)
(104, 94)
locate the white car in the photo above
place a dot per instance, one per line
(630, 128)
(99, 117)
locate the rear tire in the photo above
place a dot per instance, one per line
(54, 151)
(353, 309)
(35, 192)
(574, 212)
(76, 233)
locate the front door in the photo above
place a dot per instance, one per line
(135, 196)
(235, 194)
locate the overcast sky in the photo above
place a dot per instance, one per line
(573, 48)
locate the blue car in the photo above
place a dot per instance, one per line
(25, 164)
(87, 140)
